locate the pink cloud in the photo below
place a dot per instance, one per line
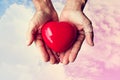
(101, 62)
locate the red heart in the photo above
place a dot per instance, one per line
(59, 36)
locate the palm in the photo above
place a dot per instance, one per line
(34, 34)
(79, 20)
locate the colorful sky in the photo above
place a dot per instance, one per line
(19, 62)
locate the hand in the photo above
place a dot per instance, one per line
(73, 13)
(44, 12)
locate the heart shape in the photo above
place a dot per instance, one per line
(59, 36)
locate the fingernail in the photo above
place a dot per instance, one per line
(65, 62)
(91, 43)
(71, 61)
(27, 42)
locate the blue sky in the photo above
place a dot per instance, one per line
(4, 4)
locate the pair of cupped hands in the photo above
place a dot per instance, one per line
(73, 13)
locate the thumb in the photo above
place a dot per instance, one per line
(89, 35)
(88, 29)
(30, 35)
(89, 38)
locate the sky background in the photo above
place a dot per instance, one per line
(19, 62)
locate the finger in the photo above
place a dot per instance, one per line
(30, 39)
(66, 57)
(76, 48)
(51, 55)
(89, 38)
(61, 57)
(88, 29)
(89, 34)
(42, 49)
(31, 33)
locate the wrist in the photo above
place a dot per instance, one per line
(42, 4)
(75, 4)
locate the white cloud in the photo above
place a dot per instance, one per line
(106, 3)
(17, 61)
(25, 72)
(14, 24)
